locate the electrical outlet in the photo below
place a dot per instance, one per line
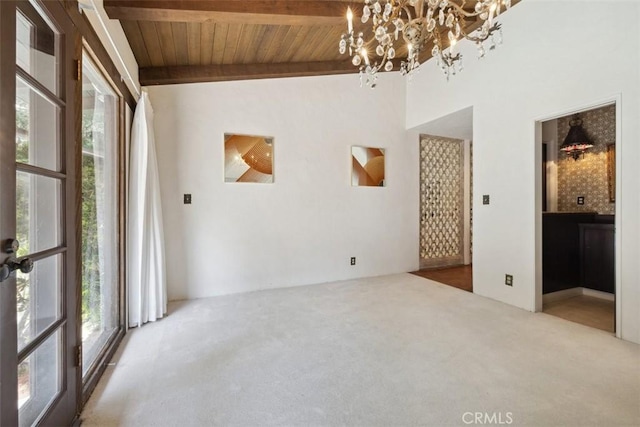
(580, 200)
(353, 260)
(508, 279)
(485, 199)
(187, 199)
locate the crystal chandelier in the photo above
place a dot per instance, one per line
(435, 24)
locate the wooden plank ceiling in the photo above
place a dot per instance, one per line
(185, 41)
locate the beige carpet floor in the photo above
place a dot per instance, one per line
(388, 351)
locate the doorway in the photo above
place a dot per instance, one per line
(578, 203)
(445, 210)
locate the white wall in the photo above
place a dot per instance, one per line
(303, 228)
(558, 56)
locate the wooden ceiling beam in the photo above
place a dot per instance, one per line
(257, 12)
(226, 72)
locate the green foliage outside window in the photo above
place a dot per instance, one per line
(91, 300)
(91, 310)
(22, 219)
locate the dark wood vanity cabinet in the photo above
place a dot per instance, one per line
(578, 251)
(597, 259)
(561, 249)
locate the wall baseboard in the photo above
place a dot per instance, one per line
(560, 295)
(574, 292)
(598, 294)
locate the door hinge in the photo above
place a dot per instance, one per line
(77, 356)
(77, 70)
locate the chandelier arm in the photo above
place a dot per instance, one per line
(395, 14)
(437, 41)
(407, 11)
(419, 8)
(383, 60)
(463, 12)
(495, 27)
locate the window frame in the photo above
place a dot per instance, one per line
(95, 371)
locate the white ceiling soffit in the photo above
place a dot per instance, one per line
(458, 125)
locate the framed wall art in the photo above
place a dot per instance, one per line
(367, 167)
(248, 158)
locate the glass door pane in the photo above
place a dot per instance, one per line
(39, 379)
(37, 128)
(39, 212)
(39, 274)
(38, 295)
(37, 46)
(100, 315)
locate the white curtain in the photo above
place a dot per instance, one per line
(146, 268)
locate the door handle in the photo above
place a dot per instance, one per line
(25, 265)
(12, 264)
(11, 246)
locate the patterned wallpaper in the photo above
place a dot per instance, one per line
(587, 176)
(441, 199)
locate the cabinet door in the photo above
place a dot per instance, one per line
(598, 261)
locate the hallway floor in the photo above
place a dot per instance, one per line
(459, 276)
(586, 310)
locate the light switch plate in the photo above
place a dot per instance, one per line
(187, 199)
(485, 199)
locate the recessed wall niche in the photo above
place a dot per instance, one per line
(589, 175)
(248, 158)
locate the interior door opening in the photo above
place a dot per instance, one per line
(578, 199)
(446, 210)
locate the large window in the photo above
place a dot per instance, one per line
(100, 232)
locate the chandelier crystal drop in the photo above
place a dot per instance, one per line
(438, 25)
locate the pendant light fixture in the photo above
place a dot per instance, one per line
(576, 141)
